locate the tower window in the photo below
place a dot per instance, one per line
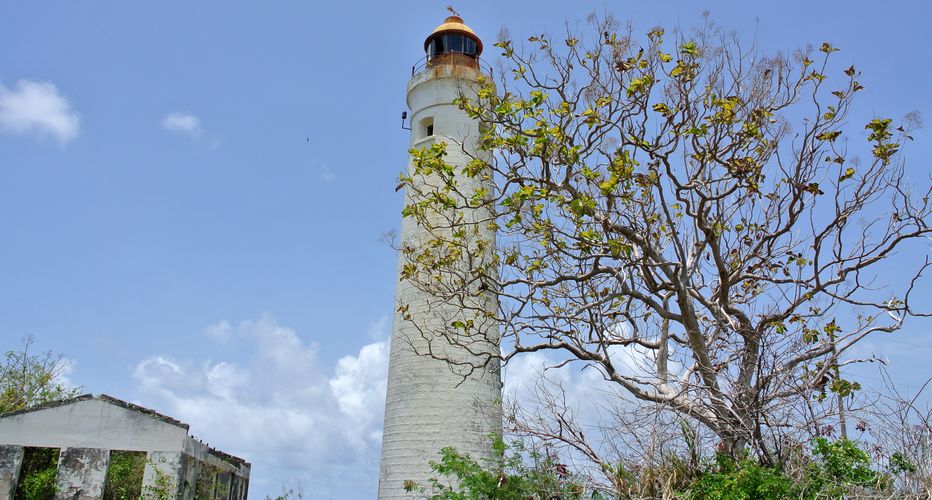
(427, 127)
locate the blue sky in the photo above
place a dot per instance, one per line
(192, 196)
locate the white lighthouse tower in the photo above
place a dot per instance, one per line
(430, 403)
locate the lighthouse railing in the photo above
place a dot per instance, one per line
(427, 62)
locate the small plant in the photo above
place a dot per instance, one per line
(165, 487)
(207, 482)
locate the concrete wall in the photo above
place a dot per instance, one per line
(87, 428)
(91, 423)
(82, 473)
(164, 473)
(202, 453)
(11, 461)
(184, 473)
(428, 406)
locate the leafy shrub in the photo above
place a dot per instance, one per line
(837, 468)
(745, 479)
(40, 485)
(37, 477)
(516, 474)
(834, 469)
(840, 466)
(900, 464)
(124, 477)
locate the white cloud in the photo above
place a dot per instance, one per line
(293, 416)
(220, 331)
(526, 375)
(359, 388)
(32, 107)
(183, 123)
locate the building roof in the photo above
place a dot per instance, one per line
(105, 398)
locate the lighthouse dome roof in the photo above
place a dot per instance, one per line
(451, 25)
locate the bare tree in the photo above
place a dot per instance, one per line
(900, 426)
(691, 218)
(595, 440)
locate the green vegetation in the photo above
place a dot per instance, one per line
(165, 487)
(745, 479)
(124, 477)
(832, 469)
(517, 473)
(37, 475)
(208, 484)
(28, 379)
(841, 467)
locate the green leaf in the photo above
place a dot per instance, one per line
(829, 136)
(583, 205)
(847, 175)
(663, 109)
(689, 48)
(639, 85)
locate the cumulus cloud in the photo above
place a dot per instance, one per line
(37, 108)
(220, 331)
(526, 376)
(294, 416)
(183, 123)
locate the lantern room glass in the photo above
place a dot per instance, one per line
(452, 43)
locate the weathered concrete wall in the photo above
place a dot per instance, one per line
(190, 477)
(428, 406)
(236, 489)
(82, 473)
(91, 423)
(203, 453)
(198, 467)
(86, 428)
(11, 461)
(164, 473)
(224, 484)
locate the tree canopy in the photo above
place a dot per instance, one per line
(697, 220)
(28, 379)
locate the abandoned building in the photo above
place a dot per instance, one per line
(89, 445)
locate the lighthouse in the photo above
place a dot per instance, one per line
(444, 383)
